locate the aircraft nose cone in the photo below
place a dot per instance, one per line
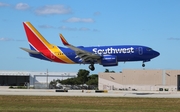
(156, 53)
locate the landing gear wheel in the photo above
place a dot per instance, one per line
(143, 65)
(91, 67)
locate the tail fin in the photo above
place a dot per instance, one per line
(36, 40)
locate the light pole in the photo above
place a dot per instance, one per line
(47, 79)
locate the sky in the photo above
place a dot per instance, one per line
(152, 23)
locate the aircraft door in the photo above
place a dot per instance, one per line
(140, 49)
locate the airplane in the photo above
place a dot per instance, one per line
(104, 55)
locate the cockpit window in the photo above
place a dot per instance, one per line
(149, 49)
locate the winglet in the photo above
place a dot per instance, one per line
(63, 40)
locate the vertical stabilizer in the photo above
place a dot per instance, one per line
(35, 39)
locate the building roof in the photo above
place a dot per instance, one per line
(14, 73)
(28, 73)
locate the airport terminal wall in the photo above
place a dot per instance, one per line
(153, 80)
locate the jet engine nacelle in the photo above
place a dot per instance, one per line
(109, 60)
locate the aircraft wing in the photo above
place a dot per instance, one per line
(82, 54)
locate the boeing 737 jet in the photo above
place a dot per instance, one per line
(104, 55)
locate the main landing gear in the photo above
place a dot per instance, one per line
(91, 67)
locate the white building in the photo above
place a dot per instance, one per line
(35, 79)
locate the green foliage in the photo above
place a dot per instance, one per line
(53, 82)
(70, 81)
(18, 87)
(106, 70)
(92, 80)
(11, 87)
(21, 87)
(112, 71)
(83, 77)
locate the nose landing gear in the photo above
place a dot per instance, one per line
(143, 65)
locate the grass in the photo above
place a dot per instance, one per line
(86, 104)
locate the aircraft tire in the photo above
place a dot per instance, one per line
(91, 67)
(143, 65)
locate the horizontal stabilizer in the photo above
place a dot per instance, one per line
(30, 51)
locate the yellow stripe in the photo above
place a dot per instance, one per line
(38, 34)
(53, 48)
(58, 53)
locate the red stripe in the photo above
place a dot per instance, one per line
(34, 40)
(63, 40)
